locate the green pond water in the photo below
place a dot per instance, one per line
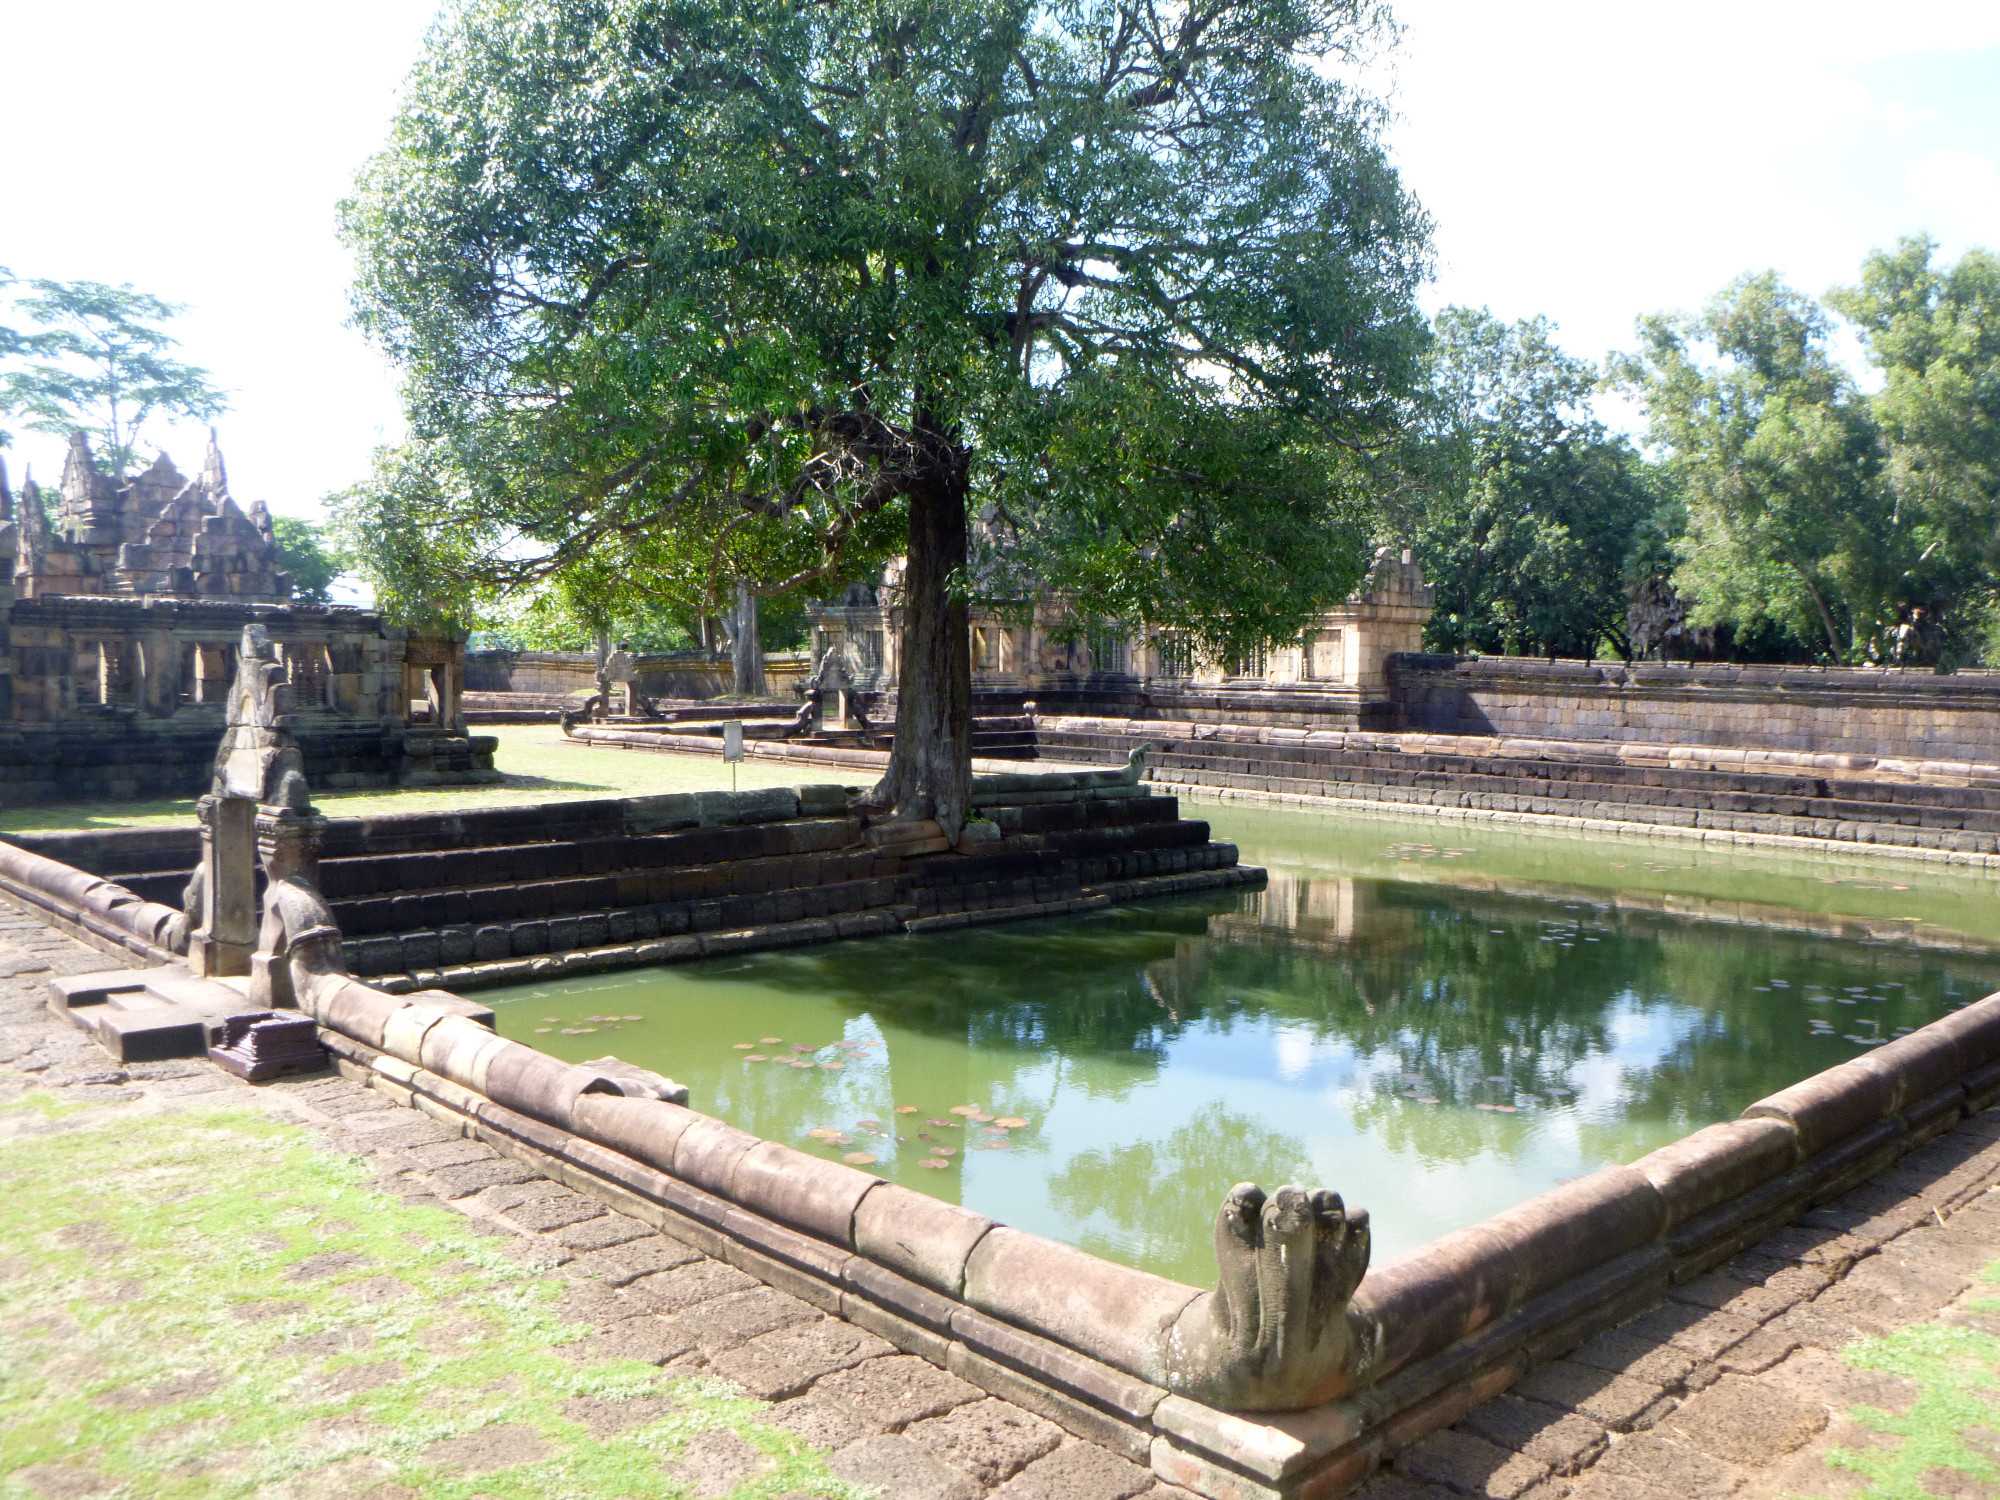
(1439, 1021)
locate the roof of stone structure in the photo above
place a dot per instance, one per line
(155, 533)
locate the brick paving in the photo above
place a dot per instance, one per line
(1735, 1386)
(1732, 1387)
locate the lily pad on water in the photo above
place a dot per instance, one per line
(769, 1041)
(835, 1065)
(944, 1151)
(801, 1063)
(1010, 1122)
(963, 1109)
(858, 1159)
(999, 1145)
(743, 1046)
(539, 1030)
(802, 1047)
(935, 1163)
(937, 1122)
(906, 1109)
(823, 1133)
(756, 1057)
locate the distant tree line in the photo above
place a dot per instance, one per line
(1778, 511)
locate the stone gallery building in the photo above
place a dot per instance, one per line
(120, 612)
(1062, 657)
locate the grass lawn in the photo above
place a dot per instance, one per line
(539, 765)
(211, 1303)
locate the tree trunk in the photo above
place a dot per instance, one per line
(930, 766)
(746, 645)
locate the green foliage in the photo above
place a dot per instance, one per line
(308, 557)
(1521, 508)
(99, 363)
(420, 572)
(717, 292)
(1934, 332)
(1779, 462)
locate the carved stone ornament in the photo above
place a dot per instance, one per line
(258, 758)
(1280, 1332)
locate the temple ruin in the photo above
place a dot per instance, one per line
(121, 612)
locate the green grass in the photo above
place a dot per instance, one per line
(538, 762)
(130, 1252)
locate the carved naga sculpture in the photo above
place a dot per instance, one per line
(1280, 1332)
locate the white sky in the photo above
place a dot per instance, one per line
(1591, 161)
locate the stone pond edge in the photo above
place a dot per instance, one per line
(1464, 1316)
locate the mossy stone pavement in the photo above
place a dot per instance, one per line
(302, 1290)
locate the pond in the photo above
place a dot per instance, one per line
(1437, 1020)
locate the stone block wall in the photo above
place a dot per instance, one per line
(573, 674)
(115, 696)
(1865, 804)
(1886, 711)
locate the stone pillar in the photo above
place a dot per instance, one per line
(288, 845)
(226, 933)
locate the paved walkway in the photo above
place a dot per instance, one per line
(303, 1291)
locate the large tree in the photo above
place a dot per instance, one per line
(1934, 332)
(1521, 507)
(1114, 288)
(1780, 462)
(100, 362)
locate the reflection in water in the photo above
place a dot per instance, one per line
(1437, 1038)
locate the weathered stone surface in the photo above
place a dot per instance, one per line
(1077, 1471)
(717, 1462)
(648, 1339)
(725, 1322)
(1744, 1421)
(462, 1182)
(1816, 1376)
(600, 1233)
(1562, 1440)
(903, 1470)
(897, 1390)
(777, 1365)
(1624, 1353)
(622, 1264)
(1617, 1401)
(989, 1439)
(1470, 1465)
(1673, 1468)
(686, 1285)
(822, 1423)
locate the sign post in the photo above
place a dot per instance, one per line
(732, 747)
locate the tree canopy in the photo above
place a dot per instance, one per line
(99, 362)
(1522, 509)
(1129, 286)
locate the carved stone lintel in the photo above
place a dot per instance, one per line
(1281, 1331)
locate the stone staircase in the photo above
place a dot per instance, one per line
(1867, 805)
(504, 895)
